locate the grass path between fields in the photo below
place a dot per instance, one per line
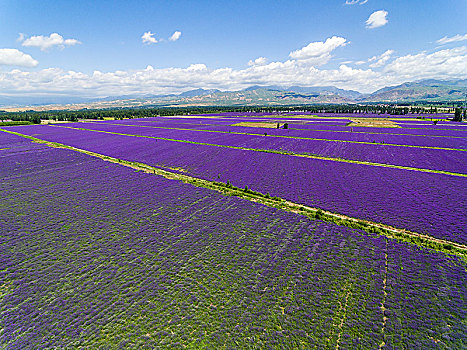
(253, 134)
(227, 189)
(311, 120)
(342, 313)
(281, 152)
(385, 294)
(377, 133)
(283, 136)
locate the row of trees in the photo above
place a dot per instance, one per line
(125, 113)
(459, 114)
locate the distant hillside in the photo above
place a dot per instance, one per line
(258, 96)
(312, 90)
(198, 92)
(420, 91)
(350, 94)
(6, 100)
(425, 90)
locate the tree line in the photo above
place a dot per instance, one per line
(128, 113)
(459, 114)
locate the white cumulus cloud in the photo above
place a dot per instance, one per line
(197, 67)
(442, 64)
(355, 2)
(14, 57)
(148, 38)
(452, 39)
(175, 36)
(260, 61)
(318, 53)
(377, 19)
(46, 42)
(381, 60)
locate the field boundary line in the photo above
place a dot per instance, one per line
(385, 294)
(285, 136)
(300, 118)
(344, 313)
(311, 130)
(423, 240)
(285, 153)
(375, 133)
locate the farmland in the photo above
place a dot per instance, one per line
(100, 250)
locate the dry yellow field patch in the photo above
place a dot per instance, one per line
(269, 125)
(373, 123)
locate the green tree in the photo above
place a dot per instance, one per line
(458, 115)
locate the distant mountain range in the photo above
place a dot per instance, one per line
(420, 91)
(425, 90)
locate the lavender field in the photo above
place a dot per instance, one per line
(95, 254)
(424, 202)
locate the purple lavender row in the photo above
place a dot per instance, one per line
(303, 123)
(214, 123)
(440, 131)
(169, 120)
(435, 159)
(427, 203)
(224, 120)
(330, 115)
(328, 134)
(430, 125)
(241, 114)
(446, 142)
(428, 122)
(13, 144)
(386, 116)
(336, 125)
(162, 264)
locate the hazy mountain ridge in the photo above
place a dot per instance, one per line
(260, 95)
(425, 90)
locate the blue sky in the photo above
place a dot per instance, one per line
(333, 43)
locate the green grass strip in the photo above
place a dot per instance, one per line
(436, 129)
(313, 213)
(315, 116)
(294, 137)
(380, 133)
(290, 119)
(286, 153)
(15, 122)
(311, 130)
